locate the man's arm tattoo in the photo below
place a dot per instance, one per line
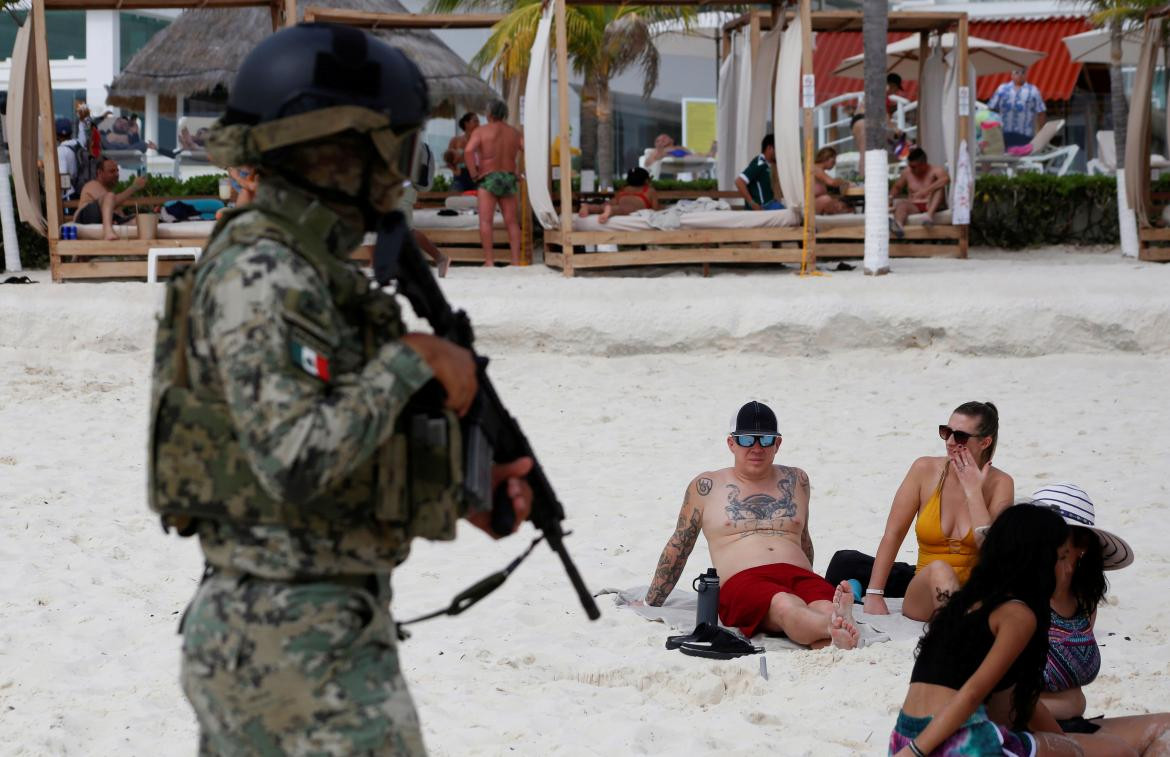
(674, 557)
(704, 486)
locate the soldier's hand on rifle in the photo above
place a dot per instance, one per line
(512, 474)
(453, 366)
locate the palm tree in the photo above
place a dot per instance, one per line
(875, 23)
(604, 41)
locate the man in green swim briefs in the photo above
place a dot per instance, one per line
(492, 153)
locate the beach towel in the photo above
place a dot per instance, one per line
(678, 612)
(670, 219)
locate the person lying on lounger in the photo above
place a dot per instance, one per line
(926, 186)
(664, 147)
(827, 204)
(637, 194)
(754, 516)
(1074, 656)
(99, 201)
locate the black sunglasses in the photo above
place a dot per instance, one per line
(749, 440)
(946, 432)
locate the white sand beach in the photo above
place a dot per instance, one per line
(624, 384)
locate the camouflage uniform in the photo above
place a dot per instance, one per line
(288, 646)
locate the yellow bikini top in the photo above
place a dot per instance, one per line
(933, 544)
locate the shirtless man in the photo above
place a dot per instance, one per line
(927, 187)
(454, 156)
(754, 516)
(98, 200)
(491, 156)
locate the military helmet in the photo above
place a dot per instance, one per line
(311, 81)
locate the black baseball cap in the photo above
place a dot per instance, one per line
(754, 418)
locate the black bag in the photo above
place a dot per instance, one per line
(850, 564)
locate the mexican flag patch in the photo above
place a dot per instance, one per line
(313, 362)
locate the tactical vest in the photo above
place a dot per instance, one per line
(197, 468)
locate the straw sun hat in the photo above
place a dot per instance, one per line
(1074, 505)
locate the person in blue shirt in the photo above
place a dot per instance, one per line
(755, 182)
(1021, 109)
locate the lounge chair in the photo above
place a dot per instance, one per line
(694, 164)
(1105, 164)
(1043, 158)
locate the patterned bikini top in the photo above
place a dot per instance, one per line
(1073, 656)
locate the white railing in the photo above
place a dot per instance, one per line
(825, 126)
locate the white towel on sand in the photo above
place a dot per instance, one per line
(678, 612)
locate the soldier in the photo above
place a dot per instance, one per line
(279, 435)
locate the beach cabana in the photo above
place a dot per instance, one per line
(1153, 241)
(766, 57)
(91, 258)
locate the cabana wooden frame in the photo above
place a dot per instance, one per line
(1153, 241)
(735, 245)
(461, 245)
(125, 258)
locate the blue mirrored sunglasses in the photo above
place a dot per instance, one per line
(747, 440)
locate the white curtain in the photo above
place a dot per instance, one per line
(744, 150)
(22, 128)
(763, 71)
(787, 115)
(931, 113)
(536, 120)
(951, 119)
(725, 124)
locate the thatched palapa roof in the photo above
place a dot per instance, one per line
(203, 48)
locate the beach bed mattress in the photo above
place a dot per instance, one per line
(714, 219)
(183, 230)
(429, 218)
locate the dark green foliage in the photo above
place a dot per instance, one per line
(161, 185)
(1039, 209)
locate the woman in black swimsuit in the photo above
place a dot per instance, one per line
(982, 659)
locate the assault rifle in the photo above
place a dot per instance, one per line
(490, 433)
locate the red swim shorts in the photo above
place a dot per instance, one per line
(744, 598)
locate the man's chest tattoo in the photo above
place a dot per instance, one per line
(762, 512)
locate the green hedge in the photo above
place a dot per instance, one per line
(1039, 209)
(161, 185)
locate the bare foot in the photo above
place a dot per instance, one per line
(843, 633)
(605, 214)
(896, 228)
(843, 602)
(443, 263)
(928, 221)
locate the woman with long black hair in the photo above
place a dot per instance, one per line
(986, 647)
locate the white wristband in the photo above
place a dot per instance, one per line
(879, 592)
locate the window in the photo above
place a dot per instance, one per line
(66, 33)
(135, 31)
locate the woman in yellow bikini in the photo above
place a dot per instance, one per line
(954, 498)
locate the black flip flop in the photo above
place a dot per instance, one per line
(713, 642)
(702, 632)
(19, 280)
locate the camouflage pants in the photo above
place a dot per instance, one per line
(276, 668)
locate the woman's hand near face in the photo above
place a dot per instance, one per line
(971, 476)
